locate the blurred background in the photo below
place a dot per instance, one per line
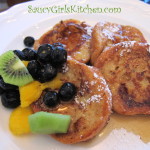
(5, 4)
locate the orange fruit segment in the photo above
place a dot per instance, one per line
(18, 121)
(25, 63)
(54, 84)
(32, 91)
(29, 93)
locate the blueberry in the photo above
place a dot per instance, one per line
(1, 91)
(29, 41)
(6, 86)
(58, 56)
(47, 73)
(67, 91)
(11, 99)
(20, 54)
(44, 52)
(33, 68)
(51, 99)
(29, 54)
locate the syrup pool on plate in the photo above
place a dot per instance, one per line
(138, 125)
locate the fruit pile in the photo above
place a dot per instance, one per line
(23, 77)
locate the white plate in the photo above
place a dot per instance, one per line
(16, 23)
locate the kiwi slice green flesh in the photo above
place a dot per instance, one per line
(13, 70)
(49, 123)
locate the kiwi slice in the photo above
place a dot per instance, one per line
(13, 70)
(49, 123)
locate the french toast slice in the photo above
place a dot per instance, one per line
(91, 107)
(75, 35)
(126, 68)
(105, 34)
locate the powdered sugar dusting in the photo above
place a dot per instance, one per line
(110, 31)
(93, 82)
(85, 102)
(129, 45)
(86, 96)
(76, 98)
(89, 30)
(94, 98)
(96, 75)
(100, 88)
(114, 28)
(79, 102)
(92, 91)
(65, 68)
(108, 34)
(125, 50)
(146, 44)
(126, 44)
(82, 97)
(84, 88)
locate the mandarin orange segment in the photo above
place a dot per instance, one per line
(54, 84)
(18, 121)
(32, 91)
(25, 63)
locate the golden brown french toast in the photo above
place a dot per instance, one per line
(75, 35)
(91, 107)
(105, 34)
(126, 68)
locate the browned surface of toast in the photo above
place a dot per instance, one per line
(126, 68)
(91, 107)
(75, 35)
(105, 34)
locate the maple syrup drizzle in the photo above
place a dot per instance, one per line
(138, 125)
